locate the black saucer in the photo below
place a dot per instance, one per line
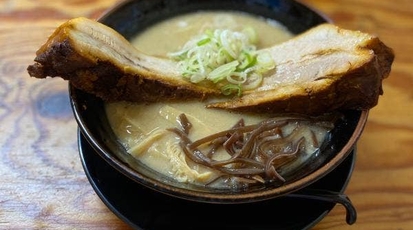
(142, 208)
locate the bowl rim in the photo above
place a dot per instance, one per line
(230, 197)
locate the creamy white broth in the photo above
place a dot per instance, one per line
(133, 123)
(142, 128)
(170, 35)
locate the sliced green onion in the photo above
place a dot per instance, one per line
(203, 41)
(223, 71)
(238, 78)
(226, 58)
(231, 89)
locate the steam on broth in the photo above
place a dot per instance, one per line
(192, 144)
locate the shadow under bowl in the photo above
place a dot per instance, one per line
(131, 17)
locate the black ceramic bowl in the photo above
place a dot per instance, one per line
(131, 17)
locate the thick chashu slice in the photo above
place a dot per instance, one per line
(98, 60)
(324, 69)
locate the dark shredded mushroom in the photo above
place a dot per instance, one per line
(256, 151)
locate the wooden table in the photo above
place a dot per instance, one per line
(42, 182)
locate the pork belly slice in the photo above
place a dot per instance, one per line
(324, 69)
(98, 60)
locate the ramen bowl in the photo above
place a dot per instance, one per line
(132, 17)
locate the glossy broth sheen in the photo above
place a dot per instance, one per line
(142, 128)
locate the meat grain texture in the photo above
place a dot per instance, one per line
(324, 69)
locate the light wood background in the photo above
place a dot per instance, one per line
(43, 185)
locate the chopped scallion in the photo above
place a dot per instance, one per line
(227, 58)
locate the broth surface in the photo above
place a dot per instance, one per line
(172, 34)
(142, 129)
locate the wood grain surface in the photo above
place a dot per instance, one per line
(42, 182)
